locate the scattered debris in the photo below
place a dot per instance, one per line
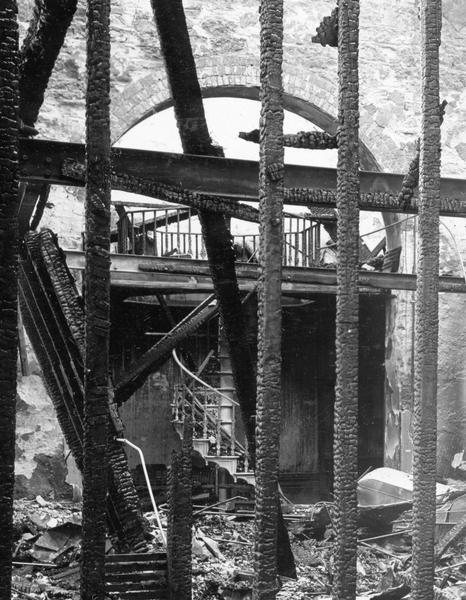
(48, 541)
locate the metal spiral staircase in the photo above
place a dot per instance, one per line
(214, 412)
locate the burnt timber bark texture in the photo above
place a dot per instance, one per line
(426, 327)
(269, 300)
(8, 279)
(96, 299)
(347, 342)
(312, 140)
(53, 315)
(40, 49)
(154, 358)
(327, 31)
(161, 191)
(180, 518)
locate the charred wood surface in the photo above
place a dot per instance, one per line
(311, 140)
(8, 279)
(41, 46)
(180, 518)
(169, 193)
(54, 319)
(327, 31)
(347, 337)
(426, 312)
(269, 300)
(96, 300)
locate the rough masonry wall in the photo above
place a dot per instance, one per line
(225, 39)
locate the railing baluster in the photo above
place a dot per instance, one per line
(133, 236)
(317, 240)
(219, 424)
(233, 432)
(143, 225)
(190, 249)
(204, 425)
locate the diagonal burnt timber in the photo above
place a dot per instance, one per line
(43, 41)
(42, 44)
(42, 160)
(151, 360)
(195, 138)
(53, 315)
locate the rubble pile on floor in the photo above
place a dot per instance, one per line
(48, 536)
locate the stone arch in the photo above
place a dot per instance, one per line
(306, 94)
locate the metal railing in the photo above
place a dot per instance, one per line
(162, 231)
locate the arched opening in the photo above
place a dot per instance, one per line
(308, 332)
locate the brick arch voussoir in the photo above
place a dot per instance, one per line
(313, 97)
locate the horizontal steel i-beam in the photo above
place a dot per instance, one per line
(129, 270)
(42, 160)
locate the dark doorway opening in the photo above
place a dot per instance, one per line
(306, 454)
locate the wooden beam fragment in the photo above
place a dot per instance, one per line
(345, 444)
(96, 301)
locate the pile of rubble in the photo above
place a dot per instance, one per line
(48, 536)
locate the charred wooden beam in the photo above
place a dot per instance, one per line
(39, 52)
(311, 140)
(231, 179)
(327, 31)
(151, 360)
(345, 447)
(53, 315)
(180, 518)
(269, 300)
(169, 193)
(426, 312)
(195, 138)
(96, 300)
(9, 242)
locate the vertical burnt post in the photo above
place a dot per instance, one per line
(426, 327)
(347, 334)
(180, 517)
(97, 299)
(271, 172)
(8, 279)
